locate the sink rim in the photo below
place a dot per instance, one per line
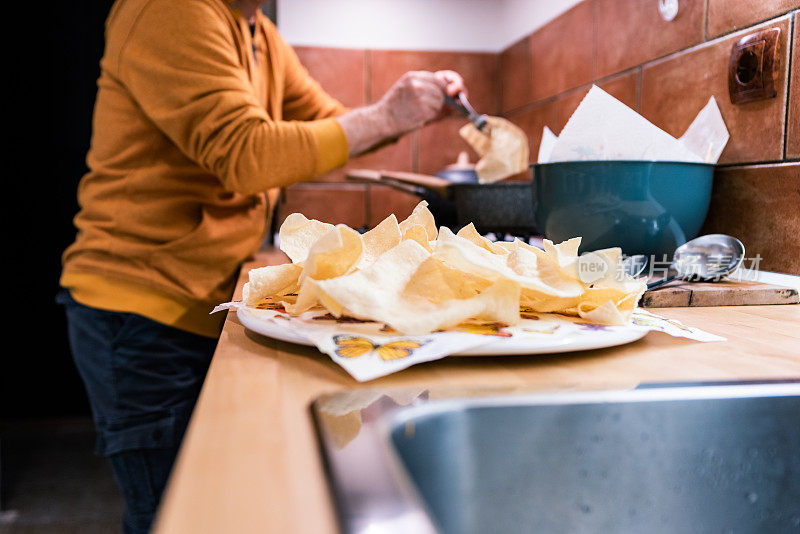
(398, 506)
(401, 415)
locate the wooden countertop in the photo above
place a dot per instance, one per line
(250, 460)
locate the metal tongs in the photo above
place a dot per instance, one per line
(462, 105)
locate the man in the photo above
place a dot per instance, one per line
(202, 111)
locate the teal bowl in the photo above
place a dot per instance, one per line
(644, 207)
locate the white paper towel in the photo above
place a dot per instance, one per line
(707, 135)
(603, 128)
(546, 146)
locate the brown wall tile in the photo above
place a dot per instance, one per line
(398, 156)
(622, 87)
(758, 205)
(729, 15)
(480, 72)
(793, 140)
(631, 32)
(383, 201)
(439, 144)
(561, 53)
(515, 79)
(339, 71)
(675, 89)
(532, 120)
(335, 203)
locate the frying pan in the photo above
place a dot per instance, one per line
(501, 207)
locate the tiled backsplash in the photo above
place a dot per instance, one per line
(728, 15)
(562, 53)
(759, 204)
(665, 70)
(674, 89)
(631, 32)
(793, 117)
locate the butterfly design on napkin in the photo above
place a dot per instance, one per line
(355, 346)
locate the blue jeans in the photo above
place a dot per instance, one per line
(142, 379)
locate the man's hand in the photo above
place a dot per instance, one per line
(416, 99)
(453, 81)
(454, 84)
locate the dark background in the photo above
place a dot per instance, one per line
(51, 86)
(52, 90)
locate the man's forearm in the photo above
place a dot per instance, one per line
(366, 127)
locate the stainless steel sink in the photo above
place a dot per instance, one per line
(721, 458)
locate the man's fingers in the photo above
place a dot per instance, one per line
(430, 77)
(448, 81)
(453, 81)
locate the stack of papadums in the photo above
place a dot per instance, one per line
(418, 280)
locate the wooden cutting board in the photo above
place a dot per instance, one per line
(722, 293)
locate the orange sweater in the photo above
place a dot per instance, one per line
(192, 129)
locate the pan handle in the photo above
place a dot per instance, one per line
(363, 175)
(368, 176)
(444, 209)
(432, 183)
